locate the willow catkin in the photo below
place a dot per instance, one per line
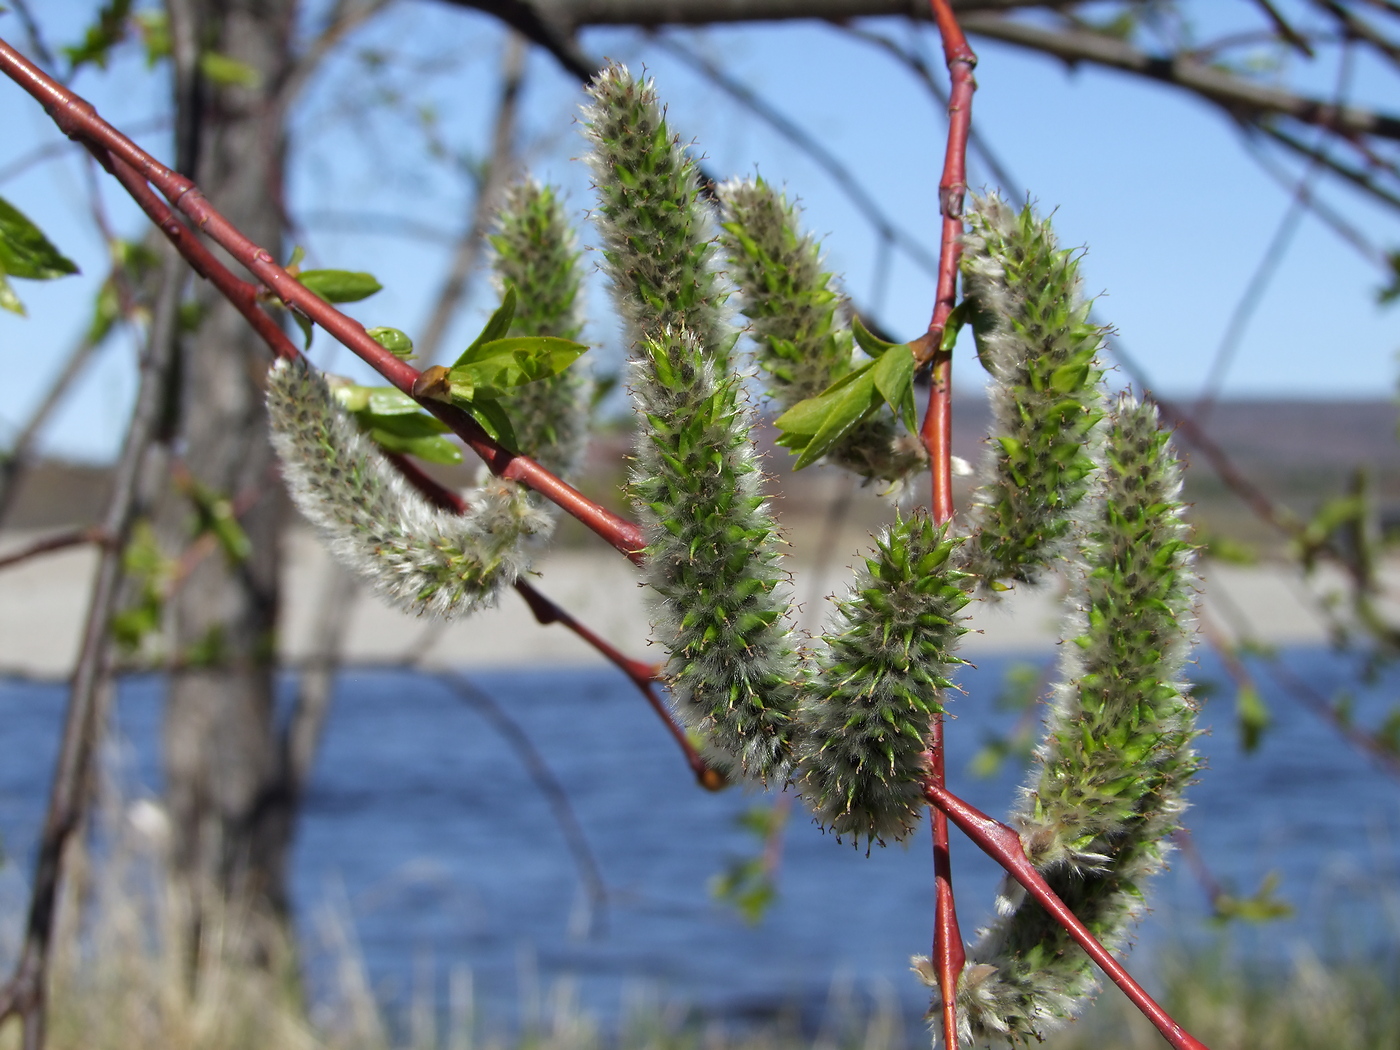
(1117, 755)
(713, 554)
(536, 252)
(1035, 338)
(865, 713)
(799, 323)
(419, 558)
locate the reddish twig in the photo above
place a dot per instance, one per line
(949, 956)
(77, 118)
(1003, 845)
(643, 675)
(56, 542)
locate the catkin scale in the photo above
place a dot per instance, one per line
(419, 558)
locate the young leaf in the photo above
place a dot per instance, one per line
(872, 345)
(25, 251)
(847, 407)
(228, 72)
(103, 35)
(393, 340)
(494, 367)
(493, 420)
(432, 448)
(894, 379)
(8, 299)
(340, 286)
(498, 327)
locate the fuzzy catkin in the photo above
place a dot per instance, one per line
(712, 557)
(800, 325)
(865, 713)
(658, 233)
(419, 558)
(713, 548)
(1117, 754)
(1035, 338)
(537, 252)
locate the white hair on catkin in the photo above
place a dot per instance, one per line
(419, 558)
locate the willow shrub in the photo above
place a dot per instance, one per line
(1071, 484)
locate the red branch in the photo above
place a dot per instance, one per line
(1003, 845)
(949, 957)
(78, 119)
(643, 675)
(56, 542)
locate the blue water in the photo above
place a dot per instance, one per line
(423, 829)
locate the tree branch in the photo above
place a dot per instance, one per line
(25, 993)
(77, 117)
(1003, 845)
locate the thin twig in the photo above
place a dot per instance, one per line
(25, 993)
(56, 542)
(644, 676)
(1003, 845)
(949, 956)
(1284, 30)
(78, 118)
(545, 780)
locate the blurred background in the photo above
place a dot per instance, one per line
(495, 798)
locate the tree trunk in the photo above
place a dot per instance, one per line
(228, 805)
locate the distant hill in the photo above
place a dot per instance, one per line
(1298, 451)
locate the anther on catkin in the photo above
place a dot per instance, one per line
(1035, 338)
(419, 558)
(1117, 754)
(800, 325)
(865, 713)
(536, 251)
(713, 548)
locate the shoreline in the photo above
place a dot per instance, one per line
(43, 603)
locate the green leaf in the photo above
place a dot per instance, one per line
(154, 27)
(105, 33)
(894, 379)
(806, 417)
(492, 368)
(1252, 716)
(25, 251)
(307, 328)
(494, 421)
(498, 327)
(956, 320)
(393, 340)
(340, 286)
(229, 72)
(8, 299)
(848, 407)
(417, 425)
(873, 346)
(433, 449)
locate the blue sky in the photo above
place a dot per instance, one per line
(1174, 214)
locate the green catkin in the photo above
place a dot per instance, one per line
(419, 558)
(1117, 754)
(1035, 338)
(865, 715)
(537, 252)
(713, 547)
(658, 233)
(799, 323)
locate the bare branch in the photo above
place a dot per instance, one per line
(26, 991)
(57, 541)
